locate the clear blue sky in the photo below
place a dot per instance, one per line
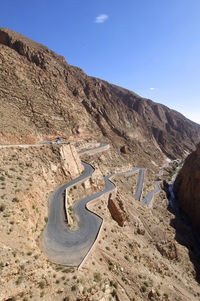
(151, 47)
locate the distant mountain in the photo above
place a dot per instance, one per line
(42, 97)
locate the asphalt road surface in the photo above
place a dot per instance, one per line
(102, 146)
(138, 193)
(151, 194)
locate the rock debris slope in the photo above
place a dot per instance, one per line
(43, 97)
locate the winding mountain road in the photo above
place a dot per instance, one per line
(63, 245)
(69, 247)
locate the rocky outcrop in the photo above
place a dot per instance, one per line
(117, 210)
(71, 162)
(139, 228)
(168, 250)
(187, 187)
(43, 96)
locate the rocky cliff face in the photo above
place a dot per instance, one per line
(42, 96)
(187, 188)
(71, 162)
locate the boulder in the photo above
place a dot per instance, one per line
(117, 210)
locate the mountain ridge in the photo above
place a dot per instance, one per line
(54, 96)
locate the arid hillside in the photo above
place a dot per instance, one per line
(141, 252)
(143, 260)
(42, 97)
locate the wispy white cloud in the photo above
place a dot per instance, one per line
(101, 18)
(152, 89)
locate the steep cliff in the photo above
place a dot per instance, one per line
(43, 97)
(187, 187)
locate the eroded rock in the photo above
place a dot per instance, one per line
(71, 162)
(168, 250)
(117, 210)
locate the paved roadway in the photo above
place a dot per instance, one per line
(63, 245)
(102, 146)
(29, 145)
(20, 145)
(148, 198)
(138, 193)
(146, 201)
(60, 244)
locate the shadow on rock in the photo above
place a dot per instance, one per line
(186, 235)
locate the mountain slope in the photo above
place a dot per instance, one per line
(42, 96)
(173, 132)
